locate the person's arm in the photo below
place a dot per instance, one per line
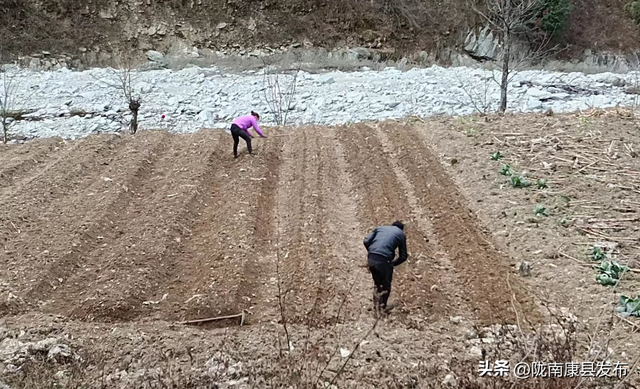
(255, 125)
(402, 248)
(369, 239)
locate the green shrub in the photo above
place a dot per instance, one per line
(633, 7)
(555, 14)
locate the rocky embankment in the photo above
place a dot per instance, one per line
(73, 104)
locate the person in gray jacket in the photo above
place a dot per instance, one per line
(381, 246)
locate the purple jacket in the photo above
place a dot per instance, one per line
(248, 121)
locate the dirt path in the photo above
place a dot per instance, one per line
(480, 267)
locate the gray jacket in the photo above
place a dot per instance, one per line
(384, 241)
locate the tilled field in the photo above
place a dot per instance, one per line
(146, 231)
(169, 227)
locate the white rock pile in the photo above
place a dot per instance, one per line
(74, 104)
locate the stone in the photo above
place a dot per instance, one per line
(470, 334)
(59, 352)
(221, 26)
(35, 64)
(155, 56)
(449, 380)
(475, 351)
(538, 94)
(533, 104)
(482, 45)
(327, 80)
(105, 14)
(362, 53)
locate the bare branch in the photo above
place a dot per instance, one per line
(279, 96)
(10, 101)
(515, 21)
(122, 80)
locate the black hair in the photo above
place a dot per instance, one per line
(398, 224)
(255, 114)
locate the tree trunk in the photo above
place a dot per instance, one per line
(5, 131)
(134, 122)
(134, 106)
(504, 84)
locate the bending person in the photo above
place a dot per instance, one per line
(240, 129)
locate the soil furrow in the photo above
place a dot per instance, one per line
(135, 258)
(114, 190)
(19, 160)
(62, 175)
(432, 266)
(344, 233)
(256, 292)
(481, 268)
(382, 199)
(296, 213)
(222, 272)
(46, 224)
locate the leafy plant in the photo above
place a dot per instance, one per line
(505, 170)
(610, 272)
(629, 306)
(470, 131)
(584, 120)
(496, 156)
(541, 210)
(542, 184)
(597, 254)
(519, 182)
(565, 222)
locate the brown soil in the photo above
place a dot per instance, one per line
(119, 238)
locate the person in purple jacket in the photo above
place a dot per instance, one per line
(240, 129)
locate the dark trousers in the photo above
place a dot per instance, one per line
(382, 274)
(237, 133)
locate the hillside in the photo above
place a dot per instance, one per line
(80, 28)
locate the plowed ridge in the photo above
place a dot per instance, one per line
(172, 227)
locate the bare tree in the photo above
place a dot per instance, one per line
(11, 102)
(133, 99)
(8, 97)
(280, 92)
(123, 81)
(515, 21)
